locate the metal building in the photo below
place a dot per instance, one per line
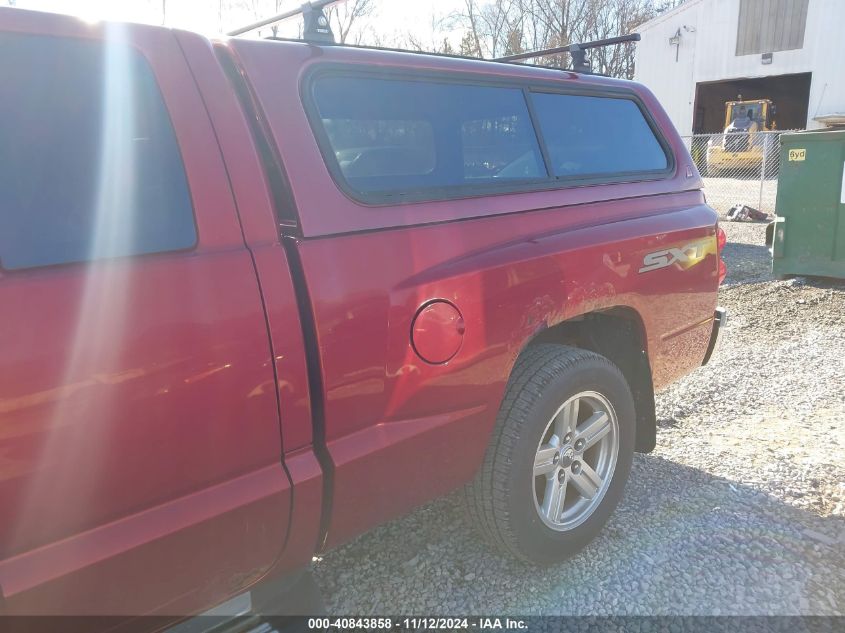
(704, 53)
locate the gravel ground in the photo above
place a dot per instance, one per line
(740, 509)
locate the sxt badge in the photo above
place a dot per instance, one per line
(686, 256)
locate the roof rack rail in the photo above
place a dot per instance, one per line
(316, 29)
(580, 63)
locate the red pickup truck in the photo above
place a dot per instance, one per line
(261, 296)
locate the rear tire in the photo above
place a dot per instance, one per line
(559, 456)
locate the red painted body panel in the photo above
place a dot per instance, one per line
(140, 452)
(171, 559)
(384, 407)
(261, 233)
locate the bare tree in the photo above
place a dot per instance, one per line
(277, 7)
(496, 28)
(491, 26)
(413, 41)
(469, 45)
(473, 22)
(345, 16)
(254, 9)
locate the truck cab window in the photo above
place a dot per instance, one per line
(91, 167)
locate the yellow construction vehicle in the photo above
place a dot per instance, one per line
(739, 150)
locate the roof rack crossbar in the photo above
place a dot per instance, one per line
(312, 11)
(580, 63)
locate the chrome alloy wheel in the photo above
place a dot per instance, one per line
(575, 460)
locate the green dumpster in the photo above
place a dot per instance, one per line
(809, 230)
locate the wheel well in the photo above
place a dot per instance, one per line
(616, 334)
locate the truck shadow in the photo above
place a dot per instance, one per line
(682, 541)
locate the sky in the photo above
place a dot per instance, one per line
(393, 18)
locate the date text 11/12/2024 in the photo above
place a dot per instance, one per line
(419, 623)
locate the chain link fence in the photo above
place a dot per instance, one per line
(738, 168)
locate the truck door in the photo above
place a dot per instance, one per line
(140, 452)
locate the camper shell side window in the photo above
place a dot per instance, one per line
(389, 138)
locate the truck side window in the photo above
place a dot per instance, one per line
(392, 136)
(89, 164)
(595, 136)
